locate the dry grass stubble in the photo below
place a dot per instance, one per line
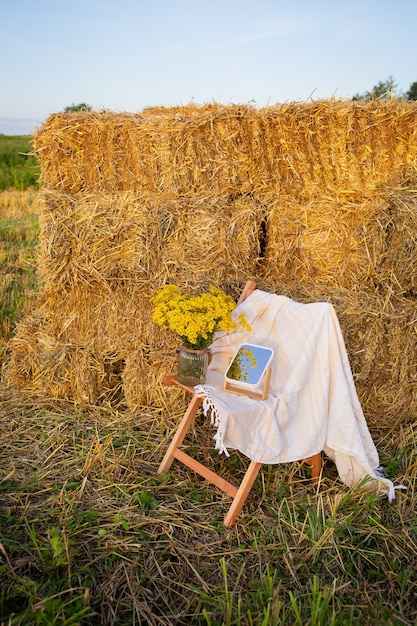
(153, 549)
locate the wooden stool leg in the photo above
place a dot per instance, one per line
(315, 463)
(181, 431)
(242, 493)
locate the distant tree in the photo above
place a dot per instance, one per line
(384, 90)
(74, 108)
(412, 92)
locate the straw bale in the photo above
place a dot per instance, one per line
(211, 239)
(104, 240)
(339, 243)
(142, 375)
(48, 368)
(381, 334)
(92, 239)
(91, 347)
(98, 319)
(399, 264)
(340, 147)
(332, 147)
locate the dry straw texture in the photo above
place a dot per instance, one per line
(300, 149)
(141, 549)
(317, 201)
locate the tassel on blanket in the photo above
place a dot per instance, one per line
(391, 488)
(212, 410)
(201, 391)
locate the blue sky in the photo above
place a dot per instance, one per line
(125, 55)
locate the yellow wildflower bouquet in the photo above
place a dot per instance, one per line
(195, 318)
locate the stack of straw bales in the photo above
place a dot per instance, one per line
(316, 201)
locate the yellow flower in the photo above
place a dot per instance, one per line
(196, 318)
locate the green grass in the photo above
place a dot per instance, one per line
(19, 174)
(18, 261)
(90, 534)
(19, 169)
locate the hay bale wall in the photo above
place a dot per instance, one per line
(316, 201)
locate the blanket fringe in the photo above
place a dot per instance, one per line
(210, 410)
(391, 488)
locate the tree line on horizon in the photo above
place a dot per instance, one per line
(387, 89)
(383, 90)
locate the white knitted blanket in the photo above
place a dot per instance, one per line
(312, 404)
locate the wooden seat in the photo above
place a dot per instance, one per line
(238, 493)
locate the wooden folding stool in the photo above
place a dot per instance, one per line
(241, 492)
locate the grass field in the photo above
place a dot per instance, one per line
(18, 242)
(19, 169)
(90, 534)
